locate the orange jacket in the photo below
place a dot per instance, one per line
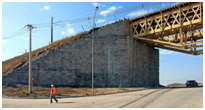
(53, 91)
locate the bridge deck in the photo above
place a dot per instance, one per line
(178, 28)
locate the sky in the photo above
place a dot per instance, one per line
(71, 18)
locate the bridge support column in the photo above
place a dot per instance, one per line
(185, 39)
(180, 29)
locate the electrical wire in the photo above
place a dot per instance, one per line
(23, 43)
(100, 16)
(49, 24)
(20, 32)
(62, 23)
(101, 8)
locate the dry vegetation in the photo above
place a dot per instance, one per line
(39, 92)
(176, 85)
(181, 85)
(18, 61)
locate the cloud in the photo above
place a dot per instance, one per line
(166, 52)
(137, 13)
(109, 22)
(67, 24)
(25, 38)
(113, 8)
(150, 10)
(97, 4)
(120, 7)
(163, 5)
(45, 8)
(63, 32)
(132, 14)
(69, 31)
(105, 13)
(4, 41)
(108, 11)
(101, 20)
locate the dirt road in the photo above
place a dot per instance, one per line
(151, 98)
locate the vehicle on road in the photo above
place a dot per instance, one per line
(191, 83)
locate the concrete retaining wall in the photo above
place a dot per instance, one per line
(119, 61)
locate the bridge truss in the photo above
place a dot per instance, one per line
(177, 28)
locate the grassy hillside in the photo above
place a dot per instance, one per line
(18, 61)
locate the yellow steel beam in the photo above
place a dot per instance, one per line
(165, 29)
(187, 36)
(166, 16)
(167, 43)
(158, 41)
(177, 50)
(193, 42)
(196, 46)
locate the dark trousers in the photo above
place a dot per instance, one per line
(53, 96)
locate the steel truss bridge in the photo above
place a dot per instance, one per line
(177, 28)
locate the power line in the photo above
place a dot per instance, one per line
(20, 32)
(100, 8)
(99, 16)
(48, 24)
(23, 43)
(11, 32)
(62, 23)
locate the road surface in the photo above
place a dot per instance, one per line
(151, 98)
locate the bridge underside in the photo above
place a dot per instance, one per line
(177, 28)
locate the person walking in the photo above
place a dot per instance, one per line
(53, 93)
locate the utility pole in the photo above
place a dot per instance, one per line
(12, 63)
(92, 51)
(83, 28)
(160, 5)
(89, 22)
(51, 29)
(30, 82)
(114, 17)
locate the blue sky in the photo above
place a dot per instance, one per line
(71, 16)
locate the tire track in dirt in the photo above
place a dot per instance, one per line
(143, 106)
(138, 99)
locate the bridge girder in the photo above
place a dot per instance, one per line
(177, 28)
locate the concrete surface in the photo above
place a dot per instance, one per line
(151, 98)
